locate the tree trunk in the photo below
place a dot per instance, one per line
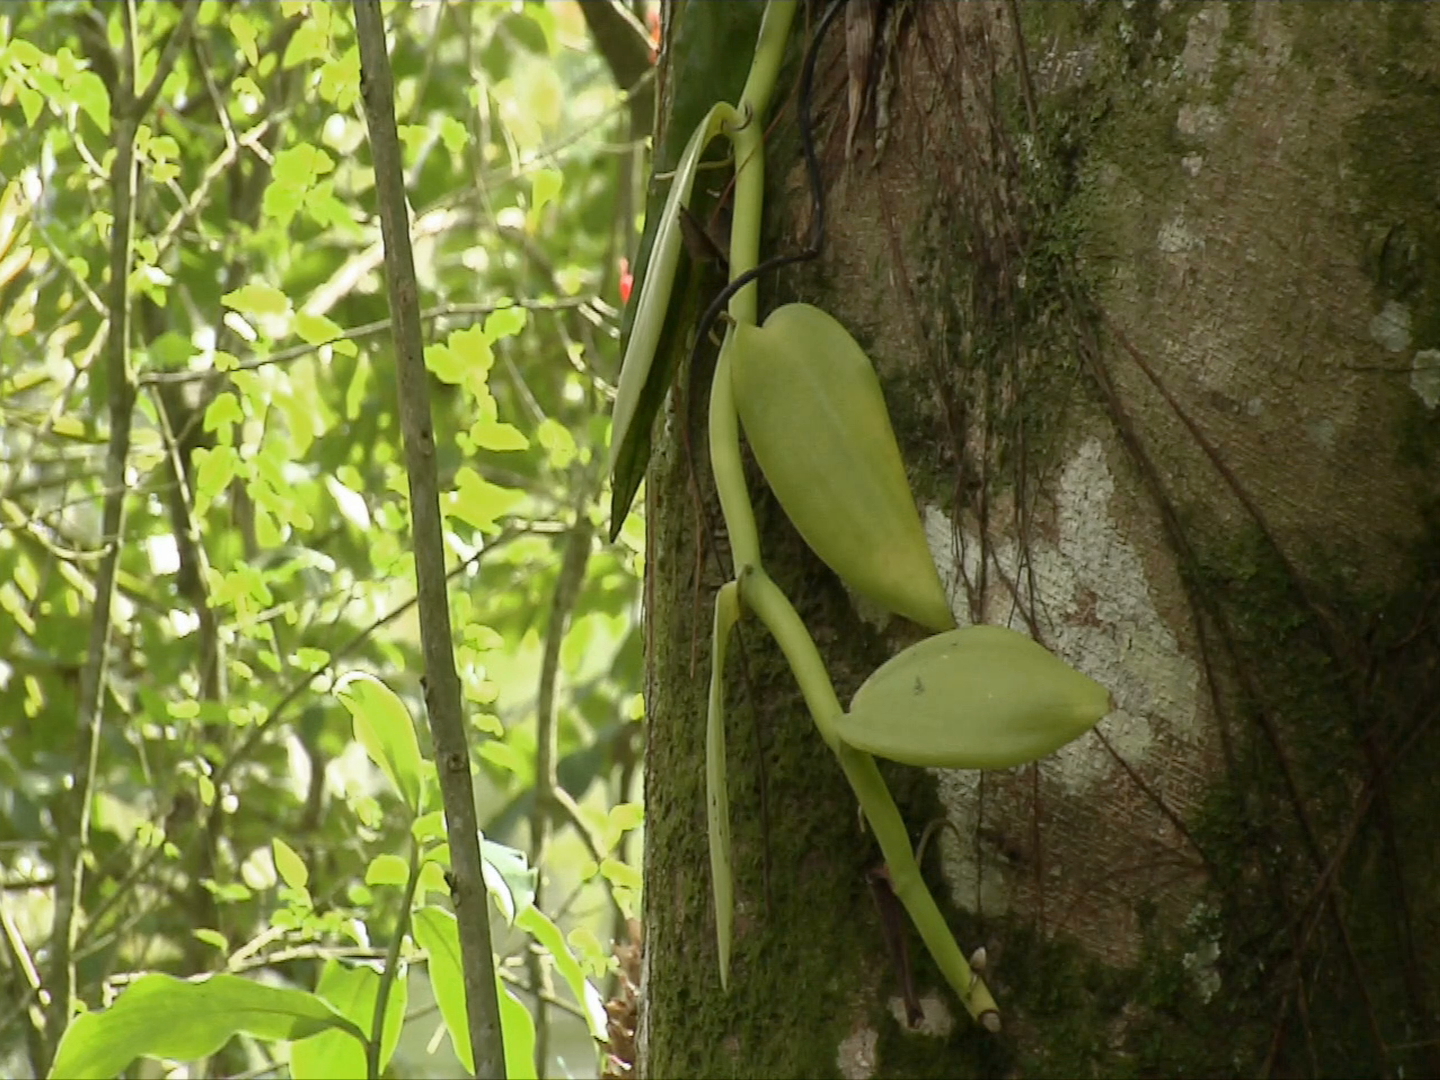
(1154, 292)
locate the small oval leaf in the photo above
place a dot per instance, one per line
(289, 865)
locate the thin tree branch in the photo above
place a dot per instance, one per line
(174, 46)
(567, 589)
(296, 688)
(625, 45)
(593, 307)
(34, 996)
(74, 810)
(376, 1044)
(441, 682)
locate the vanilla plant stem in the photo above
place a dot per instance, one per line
(764, 597)
(746, 132)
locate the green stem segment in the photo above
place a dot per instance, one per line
(725, 464)
(757, 591)
(746, 133)
(375, 1046)
(764, 597)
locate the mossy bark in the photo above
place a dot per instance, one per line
(1154, 290)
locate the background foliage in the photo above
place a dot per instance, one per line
(226, 815)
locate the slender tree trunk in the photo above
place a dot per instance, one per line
(1154, 291)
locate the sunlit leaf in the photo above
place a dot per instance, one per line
(164, 1017)
(223, 412)
(471, 347)
(444, 364)
(246, 35)
(479, 503)
(620, 873)
(382, 725)
(505, 322)
(289, 865)
(543, 929)
(386, 869)
(438, 934)
(501, 753)
(88, 91)
(256, 299)
(626, 816)
(352, 992)
(517, 1032)
(491, 435)
(558, 441)
(544, 189)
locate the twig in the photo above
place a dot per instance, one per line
(567, 588)
(73, 834)
(379, 326)
(392, 967)
(441, 683)
(298, 687)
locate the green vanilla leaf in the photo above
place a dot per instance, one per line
(815, 415)
(629, 425)
(980, 697)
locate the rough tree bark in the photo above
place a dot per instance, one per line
(1154, 290)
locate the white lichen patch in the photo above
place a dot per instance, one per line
(1200, 963)
(936, 1019)
(1425, 376)
(856, 1058)
(1096, 612)
(1175, 237)
(1201, 122)
(970, 887)
(1390, 329)
(1322, 431)
(1204, 39)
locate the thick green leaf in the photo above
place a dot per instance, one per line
(980, 697)
(180, 1020)
(479, 503)
(257, 299)
(383, 728)
(508, 873)
(438, 934)
(629, 426)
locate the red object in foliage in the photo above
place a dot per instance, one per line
(627, 280)
(652, 23)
